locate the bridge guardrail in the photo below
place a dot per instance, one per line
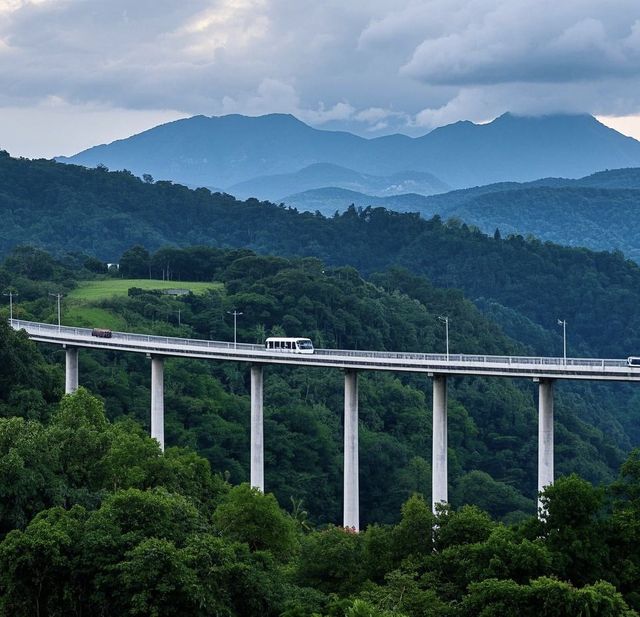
(160, 341)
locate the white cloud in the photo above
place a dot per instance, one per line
(339, 111)
(373, 114)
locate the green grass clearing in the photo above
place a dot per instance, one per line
(101, 290)
(84, 316)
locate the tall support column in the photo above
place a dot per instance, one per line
(351, 516)
(439, 482)
(157, 400)
(71, 372)
(545, 436)
(257, 430)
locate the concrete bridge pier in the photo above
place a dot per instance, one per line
(351, 514)
(157, 399)
(71, 371)
(257, 428)
(545, 436)
(439, 473)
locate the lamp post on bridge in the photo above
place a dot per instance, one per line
(235, 324)
(58, 296)
(11, 294)
(446, 329)
(563, 323)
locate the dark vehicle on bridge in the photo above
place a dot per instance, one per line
(292, 345)
(101, 333)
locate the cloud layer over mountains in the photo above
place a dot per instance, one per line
(367, 65)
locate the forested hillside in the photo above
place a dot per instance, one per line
(66, 208)
(70, 209)
(519, 288)
(599, 211)
(95, 520)
(492, 422)
(600, 218)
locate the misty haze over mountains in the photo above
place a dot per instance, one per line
(275, 156)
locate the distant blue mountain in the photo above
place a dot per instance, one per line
(228, 150)
(321, 175)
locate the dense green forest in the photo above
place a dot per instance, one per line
(95, 520)
(72, 488)
(66, 208)
(593, 217)
(493, 437)
(598, 212)
(109, 212)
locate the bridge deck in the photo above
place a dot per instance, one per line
(455, 364)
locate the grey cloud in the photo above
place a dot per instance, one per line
(521, 41)
(379, 65)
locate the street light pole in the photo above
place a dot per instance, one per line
(563, 323)
(446, 328)
(235, 324)
(58, 296)
(11, 294)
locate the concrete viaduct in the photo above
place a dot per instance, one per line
(543, 370)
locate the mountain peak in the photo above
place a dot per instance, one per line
(561, 118)
(264, 118)
(224, 151)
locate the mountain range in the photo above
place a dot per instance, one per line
(277, 155)
(597, 211)
(318, 175)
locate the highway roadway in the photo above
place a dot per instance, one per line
(455, 364)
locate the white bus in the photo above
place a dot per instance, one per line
(290, 344)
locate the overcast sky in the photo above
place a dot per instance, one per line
(74, 73)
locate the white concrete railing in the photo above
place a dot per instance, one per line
(37, 327)
(513, 365)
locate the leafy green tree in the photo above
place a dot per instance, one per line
(407, 594)
(220, 568)
(575, 530)
(127, 517)
(248, 515)
(155, 580)
(331, 560)
(79, 430)
(134, 262)
(39, 573)
(28, 479)
(32, 263)
(361, 608)
(413, 535)
(467, 525)
(503, 555)
(27, 383)
(95, 265)
(480, 489)
(378, 556)
(544, 596)
(132, 459)
(624, 539)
